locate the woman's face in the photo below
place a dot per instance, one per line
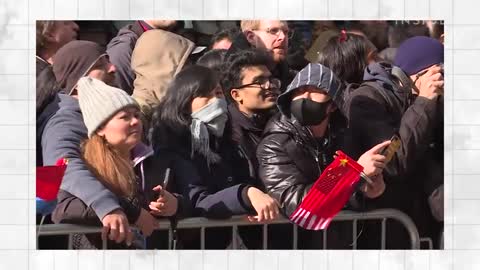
(200, 102)
(124, 129)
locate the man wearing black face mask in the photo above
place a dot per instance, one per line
(309, 112)
(300, 141)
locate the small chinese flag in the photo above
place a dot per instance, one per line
(49, 179)
(328, 194)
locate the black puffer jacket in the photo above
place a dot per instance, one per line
(290, 158)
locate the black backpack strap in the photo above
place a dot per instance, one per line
(343, 98)
(395, 106)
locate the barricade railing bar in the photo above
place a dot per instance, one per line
(203, 223)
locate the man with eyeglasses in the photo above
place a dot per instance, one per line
(252, 92)
(269, 35)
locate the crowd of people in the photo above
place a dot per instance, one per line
(156, 127)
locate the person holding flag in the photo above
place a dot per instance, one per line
(301, 140)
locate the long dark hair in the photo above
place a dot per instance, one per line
(172, 117)
(346, 55)
(213, 59)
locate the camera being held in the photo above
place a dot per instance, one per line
(429, 83)
(426, 70)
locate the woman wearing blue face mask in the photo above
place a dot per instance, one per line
(192, 121)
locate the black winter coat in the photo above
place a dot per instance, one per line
(247, 133)
(291, 159)
(380, 108)
(373, 119)
(220, 191)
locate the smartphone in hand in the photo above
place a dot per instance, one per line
(392, 148)
(155, 194)
(388, 152)
(166, 179)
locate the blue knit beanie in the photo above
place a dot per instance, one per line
(418, 53)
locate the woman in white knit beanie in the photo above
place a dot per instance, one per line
(114, 127)
(114, 152)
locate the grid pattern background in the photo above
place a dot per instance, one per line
(17, 132)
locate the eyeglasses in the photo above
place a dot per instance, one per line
(264, 84)
(275, 31)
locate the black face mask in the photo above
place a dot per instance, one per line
(309, 112)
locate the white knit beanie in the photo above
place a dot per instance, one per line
(99, 102)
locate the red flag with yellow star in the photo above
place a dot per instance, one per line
(328, 194)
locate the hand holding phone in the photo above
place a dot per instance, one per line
(166, 203)
(392, 148)
(166, 180)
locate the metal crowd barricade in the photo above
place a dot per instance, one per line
(203, 223)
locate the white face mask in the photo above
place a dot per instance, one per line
(214, 116)
(209, 119)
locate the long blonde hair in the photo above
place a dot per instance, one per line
(113, 170)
